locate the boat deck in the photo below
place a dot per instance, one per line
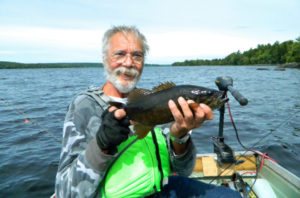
(282, 183)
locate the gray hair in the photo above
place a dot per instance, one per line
(125, 30)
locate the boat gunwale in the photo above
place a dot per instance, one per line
(284, 173)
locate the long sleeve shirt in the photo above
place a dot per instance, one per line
(82, 164)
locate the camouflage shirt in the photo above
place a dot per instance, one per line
(82, 165)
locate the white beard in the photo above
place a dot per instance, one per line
(123, 87)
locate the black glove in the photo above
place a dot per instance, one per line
(112, 131)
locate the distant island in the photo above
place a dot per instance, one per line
(284, 54)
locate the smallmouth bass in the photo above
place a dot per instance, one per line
(150, 107)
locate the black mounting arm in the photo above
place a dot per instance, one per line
(224, 153)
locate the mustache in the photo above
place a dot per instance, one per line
(127, 71)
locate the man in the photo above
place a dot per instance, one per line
(100, 155)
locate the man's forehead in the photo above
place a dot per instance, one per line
(121, 39)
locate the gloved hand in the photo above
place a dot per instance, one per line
(112, 131)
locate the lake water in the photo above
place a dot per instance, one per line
(30, 150)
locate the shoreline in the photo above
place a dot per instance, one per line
(16, 65)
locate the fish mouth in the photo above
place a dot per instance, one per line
(218, 102)
(224, 100)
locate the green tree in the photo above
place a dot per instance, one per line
(278, 53)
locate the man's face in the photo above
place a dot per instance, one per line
(125, 60)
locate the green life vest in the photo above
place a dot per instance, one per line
(140, 170)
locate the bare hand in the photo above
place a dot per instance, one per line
(192, 117)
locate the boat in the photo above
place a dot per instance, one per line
(254, 175)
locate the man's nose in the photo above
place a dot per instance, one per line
(128, 60)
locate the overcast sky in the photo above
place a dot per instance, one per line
(71, 30)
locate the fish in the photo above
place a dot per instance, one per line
(148, 108)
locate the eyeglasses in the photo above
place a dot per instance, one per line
(121, 55)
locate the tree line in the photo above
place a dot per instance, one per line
(14, 65)
(278, 53)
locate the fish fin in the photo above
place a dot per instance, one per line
(136, 94)
(163, 86)
(142, 130)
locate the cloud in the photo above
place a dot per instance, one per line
(37, 44)
(197, 44)
(51, 37)
(20, 43)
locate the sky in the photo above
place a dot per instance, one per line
(46, 31)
